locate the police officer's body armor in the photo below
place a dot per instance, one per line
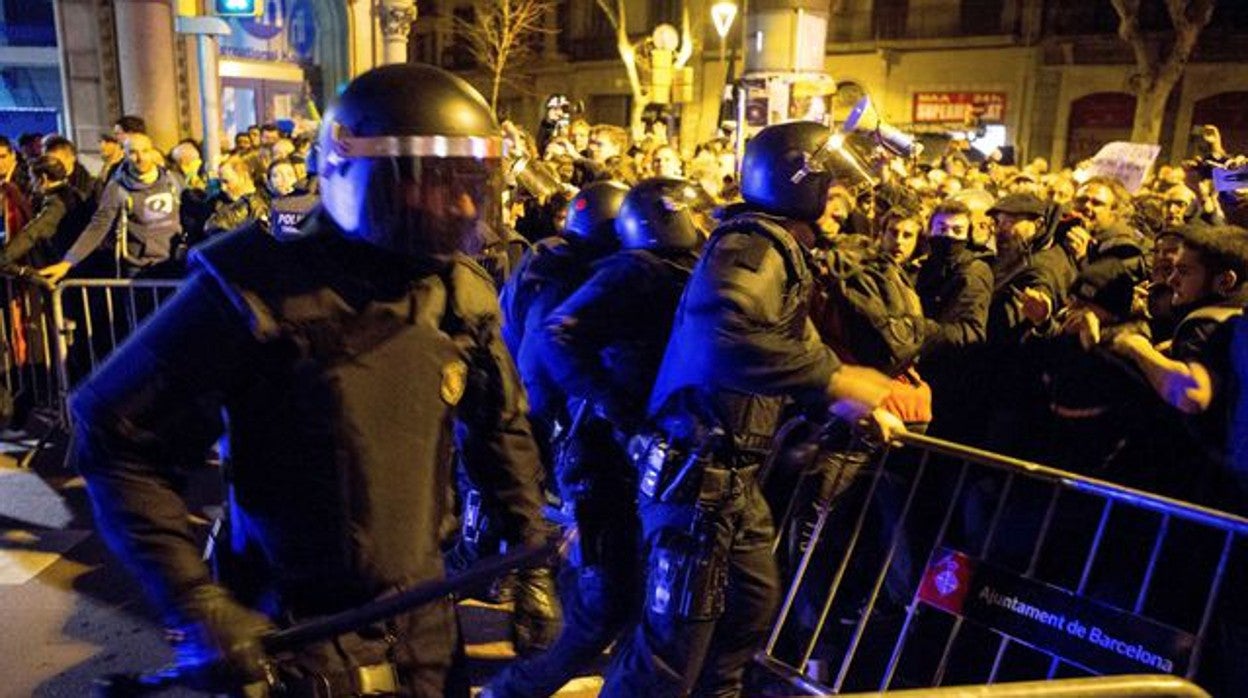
(763, 270)
(321, 326)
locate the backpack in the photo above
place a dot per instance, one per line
(866, 309)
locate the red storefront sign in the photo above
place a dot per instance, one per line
(952, 107)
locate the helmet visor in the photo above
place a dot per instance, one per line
(433, 206)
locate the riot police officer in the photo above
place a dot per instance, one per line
(742, 347)
(547, 273)
(338, 360)
(603, 346)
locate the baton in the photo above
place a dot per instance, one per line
(132, 685)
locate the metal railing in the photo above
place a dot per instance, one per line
(53, 337)
(1027, 572)
(1142, 686)
(92, 317)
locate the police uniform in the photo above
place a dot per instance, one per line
(321, 353)
(347, 364)
(742, 349)
(603, 345)
(741, 346)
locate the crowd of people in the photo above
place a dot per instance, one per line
(666, 316)
(145, 208)
(1062, 311)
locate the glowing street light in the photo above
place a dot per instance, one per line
(722, 14)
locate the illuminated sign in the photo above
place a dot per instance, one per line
(952, 107)
(236, 8)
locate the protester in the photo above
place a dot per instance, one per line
(66, 152)
(139, 209)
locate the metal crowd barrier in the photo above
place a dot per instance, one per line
(27, 356)
(53, 337)
(92, 317)
(944, 565)
(1155, 686)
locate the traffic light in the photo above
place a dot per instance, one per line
(237, 8)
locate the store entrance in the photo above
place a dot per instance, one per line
(247, 101)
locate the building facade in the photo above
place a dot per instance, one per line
(89, 61)
(1050, 77)
(30, 78)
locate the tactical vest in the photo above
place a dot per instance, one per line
(749, 418)
(340, 448)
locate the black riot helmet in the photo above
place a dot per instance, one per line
(775, 176)
(411, 161)
(592, 213)
(657, 215)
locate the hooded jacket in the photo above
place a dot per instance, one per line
(151, 219)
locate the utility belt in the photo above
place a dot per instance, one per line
(706, 475)
(371, 680)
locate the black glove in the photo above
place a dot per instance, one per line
(218, 645)
(537, 618)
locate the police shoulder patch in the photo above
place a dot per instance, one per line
(454, 381)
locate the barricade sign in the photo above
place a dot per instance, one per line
(939, 564)
(1094, 636)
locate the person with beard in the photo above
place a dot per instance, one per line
(955, 287)
(1197, 373)
(140, 208)
(1030, 280)
(1179, 206)
(1160, 297)
(1099, 227)
(1031, 275)
(1190, 370)
(344, 367)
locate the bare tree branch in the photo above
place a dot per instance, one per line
(499, 39)
(1189, 17)
(1129, 31)
(686, 38)
(1156, 77)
